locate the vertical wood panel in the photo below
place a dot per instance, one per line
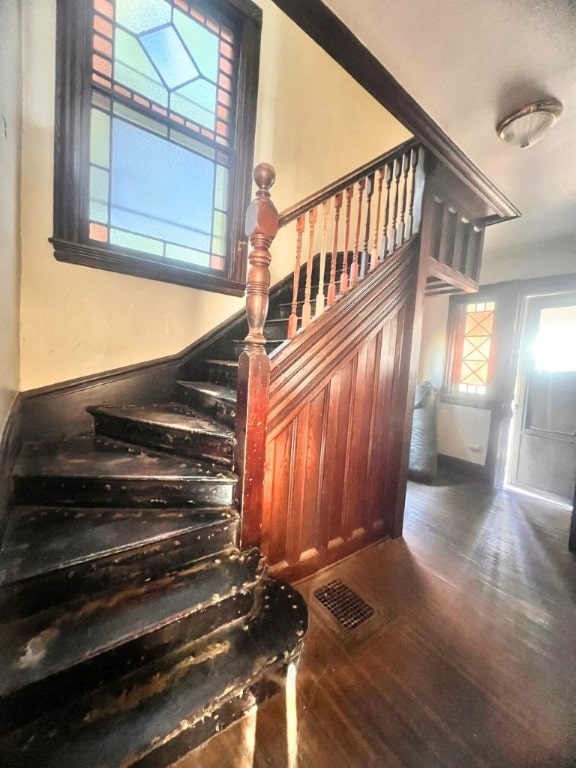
(342, 446)
(277, 496)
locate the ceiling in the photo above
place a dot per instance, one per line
(469, 63)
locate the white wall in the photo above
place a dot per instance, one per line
(314, 124)
(10, 134)
(462, 431)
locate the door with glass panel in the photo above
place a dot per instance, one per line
(543, 447)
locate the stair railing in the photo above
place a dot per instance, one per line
(261, 226)
(346, 229)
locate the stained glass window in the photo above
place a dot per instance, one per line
(160, 130)
(165, 181)
(472, 366)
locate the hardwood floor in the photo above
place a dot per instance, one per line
(473, 662)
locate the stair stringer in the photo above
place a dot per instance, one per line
(336, 423)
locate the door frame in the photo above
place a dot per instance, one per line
(513, 296)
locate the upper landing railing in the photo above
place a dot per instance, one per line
(346, 229)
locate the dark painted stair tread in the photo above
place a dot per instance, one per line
(172, 427)
(153, 719)
(49, 642)
(227, 394)
(224, 363)
(86, 456)
(39, 540)
(168, 415)
(96, 471)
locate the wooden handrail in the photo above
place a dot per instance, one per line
(342, 183)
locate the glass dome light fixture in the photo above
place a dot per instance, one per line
(528, 124)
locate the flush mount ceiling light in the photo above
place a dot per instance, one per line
(527, 125)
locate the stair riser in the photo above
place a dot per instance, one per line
(214, 722)
(141, 492)
(26, 705)
(221, 411)
(192, 445)
(129, 568)
(130, 724)
(226, 375)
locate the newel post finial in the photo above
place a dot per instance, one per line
(261, 228)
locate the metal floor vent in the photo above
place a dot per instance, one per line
(344, 604)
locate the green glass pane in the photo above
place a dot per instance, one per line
(188, 141)
(221, 191)
(202, 44)
(133, 68)
(197, 102)
(188, 255)
(139, 15)
(98, 195)
(136, 242)
(219, 233)
(99, 138)
(131, 116)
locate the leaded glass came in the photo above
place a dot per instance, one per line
(160, 130)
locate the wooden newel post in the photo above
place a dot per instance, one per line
(261, 228)
(253, 364)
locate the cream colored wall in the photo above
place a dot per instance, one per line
(314, 124)
(10, 136)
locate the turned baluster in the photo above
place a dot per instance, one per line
(307, 308)
(397, 174)
(320, 301)
(374, 255)
(369, 193)
(356, 254)
(261, 228)
(414, 154)
(384, 245)
(344, 273)
(293, 321)
(332, 284)
(405, 171)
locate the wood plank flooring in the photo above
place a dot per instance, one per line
(472, 664)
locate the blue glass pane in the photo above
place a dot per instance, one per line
(169, 56)
(160, 189)
(99, 138)
(187, 255)
(197, 102)
(139, 15)
(203, 44)
(98, 195)
(133, 68)
(136, 242)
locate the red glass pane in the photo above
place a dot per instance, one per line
(98, 232)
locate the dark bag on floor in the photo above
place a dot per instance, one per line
(423, 463)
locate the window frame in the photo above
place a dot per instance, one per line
(72, 143)
(455, 334)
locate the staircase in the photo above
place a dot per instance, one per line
(138, 618)
(134, 628)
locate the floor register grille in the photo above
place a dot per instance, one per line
(345, 605)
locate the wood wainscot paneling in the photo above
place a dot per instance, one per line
(334, 443)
